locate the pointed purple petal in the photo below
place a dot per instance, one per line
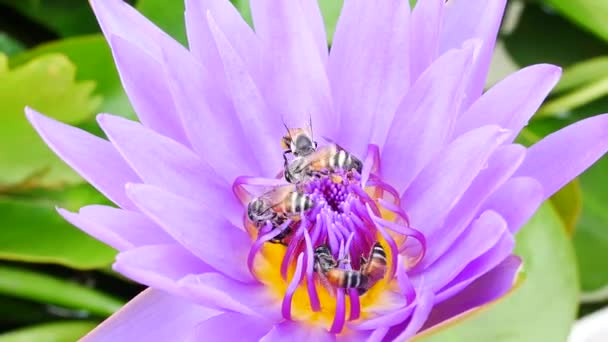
(481, 236)
(117, 17)
(145, 83)
(201, 229)
(159, 266)
(445, 179)
(232, 326)
(489, 287)
(314, 19)
(136, 45)
(427, 19)
(424, 305)
(513, 101)
(377, 335)
(251, 108)
(121, 229)
(516, 201)
(188, 80)
(216, 290)
(237, 31)
(107, 171)
(425, 117)
(296, 331)
(473, 19)
(153, 315)
(165, 163)
(565, 154)
(296, 84)
(503, 163)
(479, 267)
(368, 68)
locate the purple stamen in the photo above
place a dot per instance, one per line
(405, 284)
(292, 249)
(317, 231)
(395, 209)
(346, 216)
(392, 245)
(407, 232)
(371, 163)
(339, 318)
(355, 305)
(315, 304)
(257, 245)
(349, 241)
(293, 285)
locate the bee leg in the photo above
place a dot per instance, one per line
(289, 176)
(343, 261)
(364, 286)
(362, 261)
(318, 174)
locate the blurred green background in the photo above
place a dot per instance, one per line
(56, 283)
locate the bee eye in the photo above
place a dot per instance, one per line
(303, 142)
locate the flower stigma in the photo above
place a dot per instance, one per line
(329, 235)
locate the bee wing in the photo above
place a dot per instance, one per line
(247, 188)
(276, 195)
(326, 284)
(320, 158)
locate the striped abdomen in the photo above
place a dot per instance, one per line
(375, 267)
(295, 203)
(332, 157)
(346, 279)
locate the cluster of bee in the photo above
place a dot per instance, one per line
(372, 269)
(289, 202)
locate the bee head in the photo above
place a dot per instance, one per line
(357, 165)
(258, 211)
(324, 261)
(303, 145)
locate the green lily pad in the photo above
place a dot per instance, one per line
(331, 11)
(543, 307)
(585, 94)
(244, 9)
(568, 200)
(63, 17)
(168, 15)
(93, 60)
(582, 73)
(47, 84)
(16, 311)
(589, 14)
(591, 236)
(9, 45)
(541, 36)
(40, 287)
(69, 331)
(32, 231)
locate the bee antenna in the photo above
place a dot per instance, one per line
(310, 125)
(286, 128)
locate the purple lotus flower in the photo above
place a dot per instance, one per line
(441, 189)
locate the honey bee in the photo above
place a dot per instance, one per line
(374, 267)
(325, 159)
(371, 271)
(299, 142)
(331, 275)
(277, 206)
